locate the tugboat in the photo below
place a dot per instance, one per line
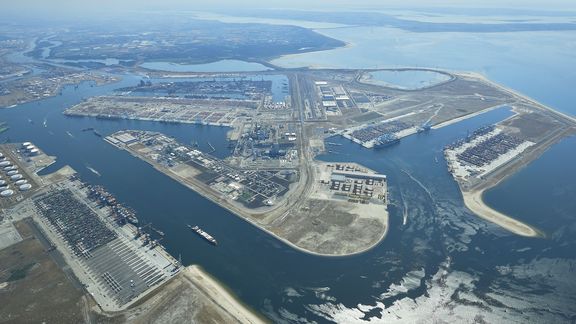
(203, 234)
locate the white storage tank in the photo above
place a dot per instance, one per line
(16, 177)
(26, 144)
(20, 182)
(30, 147)
(34, 151)
(25, 187)
(11, 173)
(5, 163)
(6, 187)
(2, 182)
(7, 193)
(12, 167)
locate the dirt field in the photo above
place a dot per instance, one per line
(333, 228)
(33, 289)
(191, 297)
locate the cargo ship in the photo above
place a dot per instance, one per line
(203, 234)
(386, 140)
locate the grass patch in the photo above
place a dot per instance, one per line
(20, 273)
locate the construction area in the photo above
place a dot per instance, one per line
(344, 212)
(30, 265)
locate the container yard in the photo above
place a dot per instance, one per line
(482, 152)
(381, 135)
(116, 261)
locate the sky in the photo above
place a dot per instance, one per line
(52, 6)
(73, 10)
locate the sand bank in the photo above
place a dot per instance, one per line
(473, 200)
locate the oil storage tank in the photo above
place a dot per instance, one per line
(16, 177)
(7, 193)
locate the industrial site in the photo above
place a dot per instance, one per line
(48, 84)
(251, 189)
(274, 136)
(81, 238)
(219, 101)
(332, 216)
(114, 259)
(287, 162)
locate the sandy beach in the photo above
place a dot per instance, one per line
(220, 296)
(473, 200)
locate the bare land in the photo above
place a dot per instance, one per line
(26, 267)
(191, 297)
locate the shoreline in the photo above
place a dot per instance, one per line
(229, 207)
(474, 201)
(520, 95)
(219, 295)
(198, 188)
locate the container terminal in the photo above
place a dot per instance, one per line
(116, 259)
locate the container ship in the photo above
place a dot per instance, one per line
(386, 140)
(203, 234)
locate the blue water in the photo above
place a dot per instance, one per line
(535, 63)
(492, 273)
(407, 79)
(219, 66)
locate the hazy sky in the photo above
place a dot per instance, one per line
(50, 7)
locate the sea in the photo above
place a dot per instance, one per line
(442, 264)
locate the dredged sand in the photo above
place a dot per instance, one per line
(220, 296)
(473, 200)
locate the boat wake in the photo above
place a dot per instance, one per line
(93, 170)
